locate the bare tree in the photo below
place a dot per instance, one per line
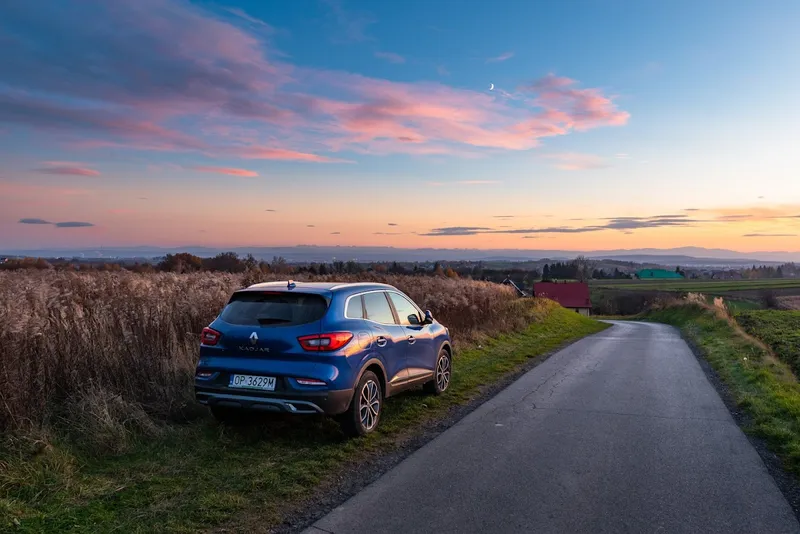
(584, 268)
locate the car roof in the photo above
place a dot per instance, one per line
(325, 288)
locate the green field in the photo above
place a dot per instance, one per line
(201, 475)
(778, 329)
(699, 286)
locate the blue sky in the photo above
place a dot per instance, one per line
(610, 125)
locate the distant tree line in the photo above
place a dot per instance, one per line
(230, 262)
(767, 271)
(616, 274)
(524, 275)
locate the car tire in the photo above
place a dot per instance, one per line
(364, 413)
(228, 416)
(443, 372)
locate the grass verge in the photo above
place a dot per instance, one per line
(761, 385)
(202, 475)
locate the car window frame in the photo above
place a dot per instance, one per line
(420, 315)
(364, 307)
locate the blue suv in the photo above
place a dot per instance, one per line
(328, 348)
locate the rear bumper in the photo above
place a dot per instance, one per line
(321, 402)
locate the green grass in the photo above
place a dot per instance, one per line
(737, 305)
(698, 286)
(201, 475)
(778, 329)
(761, 385)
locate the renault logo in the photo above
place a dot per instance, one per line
(253, 338)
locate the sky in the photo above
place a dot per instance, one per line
(581, 125)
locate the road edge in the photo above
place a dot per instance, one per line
(787, 482)
(327, 497)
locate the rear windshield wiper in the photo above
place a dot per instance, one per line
(272, 320)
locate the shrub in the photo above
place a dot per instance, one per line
(769, 299)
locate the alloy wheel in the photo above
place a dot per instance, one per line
(369, 404)
(443, 372)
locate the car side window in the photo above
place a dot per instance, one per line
(377, 308)
(355, 309)
(406, 310)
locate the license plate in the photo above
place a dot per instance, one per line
(265, 383)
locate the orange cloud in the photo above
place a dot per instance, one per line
(756, 213)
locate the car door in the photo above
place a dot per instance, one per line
(388, 336)
(419, 344)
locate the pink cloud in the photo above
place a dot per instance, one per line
(502, 57)
(437, 115)
(391, 57)
(286, 155)
(227, 170)
(253, 20)
(581, 109)
(219, 91)
(65, 168)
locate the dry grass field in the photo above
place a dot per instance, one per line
(101, 353)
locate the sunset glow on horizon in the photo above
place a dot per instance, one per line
(177, 123)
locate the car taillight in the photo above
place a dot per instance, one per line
(210, 336)
(310, 382)
(325, 342)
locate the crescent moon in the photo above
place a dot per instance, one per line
(491, 87)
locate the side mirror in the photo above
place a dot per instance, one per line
(428, 317)
(413, 319)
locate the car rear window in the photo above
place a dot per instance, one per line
(273, 309)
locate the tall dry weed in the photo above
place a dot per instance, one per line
(108, 354)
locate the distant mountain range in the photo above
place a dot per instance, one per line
(683, 256)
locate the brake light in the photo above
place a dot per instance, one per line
(325, 342)
(210, 336)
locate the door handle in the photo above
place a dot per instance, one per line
(381, 341)
(411, 340)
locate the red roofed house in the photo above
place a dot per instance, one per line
(571, 295)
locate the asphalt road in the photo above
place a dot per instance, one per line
(620, 432)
